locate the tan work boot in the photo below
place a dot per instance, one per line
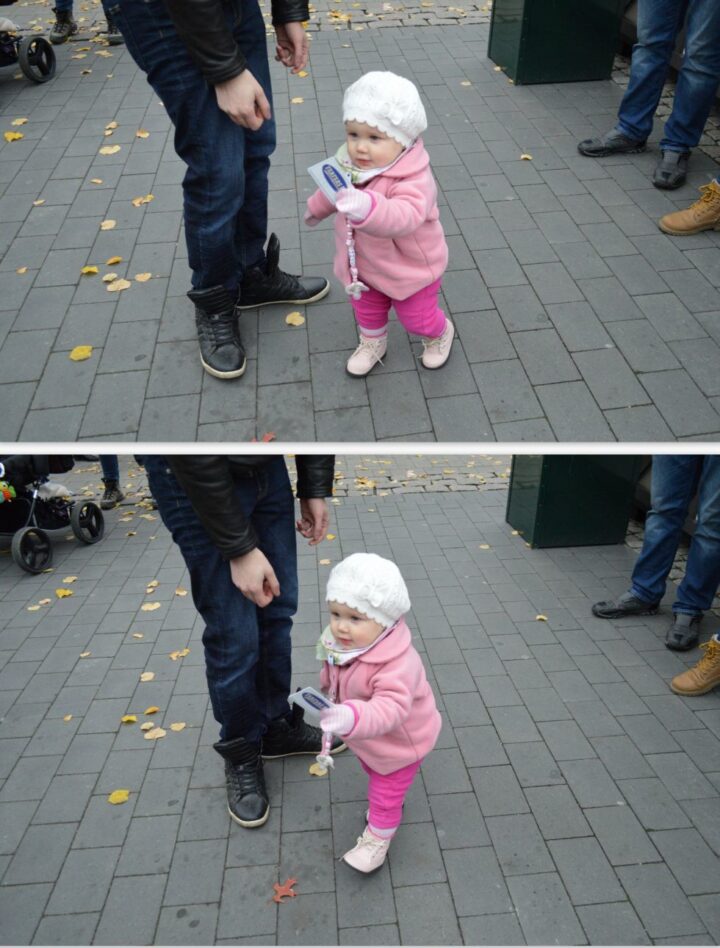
(367, 355)
(702, 215)
(369, 854)
(704, 676)
(436, 351)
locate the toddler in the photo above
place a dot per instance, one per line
(390, 248)
(385, 709)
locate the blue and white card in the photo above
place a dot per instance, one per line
(330, 177)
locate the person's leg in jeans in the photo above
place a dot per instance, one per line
(65, 25)
(702, 571)
(112, 494)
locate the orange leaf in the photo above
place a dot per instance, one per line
(284, 890)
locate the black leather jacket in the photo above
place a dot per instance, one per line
(208, 482)
(204, 28)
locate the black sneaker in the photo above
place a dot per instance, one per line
(286, 737)
(221, 351)
(684, 633)
(112, 496)
(268, 284)
(671, 170)
(64, 27)
(611, 143)
(112, 33)
(247, 795)
(626, 605)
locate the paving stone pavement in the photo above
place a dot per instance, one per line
(577, 319)
(572, 799)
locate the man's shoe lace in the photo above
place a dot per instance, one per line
(222, 330)
(245, 779)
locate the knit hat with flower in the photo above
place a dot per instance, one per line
(370, 584)
(388, 102)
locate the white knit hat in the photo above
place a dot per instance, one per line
(370, 584)
(388, 102)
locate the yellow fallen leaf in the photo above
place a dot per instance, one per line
(85, 654)
(178, 726)
(150, 606)
(80, 353)
(33, 608)
(147, 726)
(541, 618)
(317, 770)
(39, 202)
(132, 533)
(142, 277)
(96, 180)
(78, 56)
(107, 133)
(179, 654)
(119, 796)
(128, 719)
(45, 602)
(515, 533)
(466, 82)
(302, 74)
(104, 53)
(111, 263)
(138, 635)
(330, 536)
(63, 593)
(298, 100)
(19, 121)
(108, 225)
(110, 278)
(142, 133)
(70, 579)
(109, 150)
(117, 286)
(497, 68)
(484, 546)
(68, 717)
(88, 271)
(138, 201)
(526, 157)
(324, 562)
(21, 270)
(147, 517)
(155, 733)
(181, 592)
(13, 136)
(153, 709)
(147, 676)
(295, 319)
(153, 584)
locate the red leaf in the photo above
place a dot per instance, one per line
(286, 889)
(268, 436)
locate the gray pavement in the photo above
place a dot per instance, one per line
(577, 318)
(572, 799)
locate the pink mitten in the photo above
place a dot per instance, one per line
(338, 720)
(309, 219)
(356, 204)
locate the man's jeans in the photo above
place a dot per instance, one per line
(110, 467)
(226, 183)
(247, 649)
(675, 479)
(659, 22)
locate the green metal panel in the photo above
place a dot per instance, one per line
(572, 500)
(555, 40)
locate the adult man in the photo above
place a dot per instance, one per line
(65, 25)
(207, 61)
(233, 519)
(704, 214)
(676, 479)
(659, 23)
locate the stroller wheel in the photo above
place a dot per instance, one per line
(87, 522)
(37, 58)
(31, 549)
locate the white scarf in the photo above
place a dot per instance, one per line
(327, 649)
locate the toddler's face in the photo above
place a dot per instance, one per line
(350, 628)
(368, 147)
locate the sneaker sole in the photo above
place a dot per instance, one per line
(625, 615)
(686, 233)
(606, 153)
(683, 648)
(661, 186)
(363, 375)
(309, 299)
(235, 374)
(355, 869)
(249, 824)
(336, 750)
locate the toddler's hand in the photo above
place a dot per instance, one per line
(309, 219)
(338, 720)
(356, 204)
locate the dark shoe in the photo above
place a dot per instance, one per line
(268, 284)
(684, 633)
(286, 737)
(611, 143)
(247, 796)
(64, 27)
(112, 495)
(671, 170)
(221, 351)
(626, 605)
(113, 34)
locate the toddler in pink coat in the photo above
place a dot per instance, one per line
(384, 707)
(390, 248)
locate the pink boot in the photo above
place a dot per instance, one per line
(369, 854)
(436, 352)
(367, 355)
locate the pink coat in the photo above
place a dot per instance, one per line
(396, 720)
(400, 246)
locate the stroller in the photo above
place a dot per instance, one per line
(34, 53)
(29, 510)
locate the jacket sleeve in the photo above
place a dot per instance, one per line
(202, 27)
(289, 11)
(208, 483)
(315, 473)
(320, 206)
(389, 706)
(399, 214)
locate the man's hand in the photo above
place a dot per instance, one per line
(243, 100)
(254, 577)
(291, 48)
(314, 519)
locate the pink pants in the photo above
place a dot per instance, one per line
(386, 793)
(419, 313)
